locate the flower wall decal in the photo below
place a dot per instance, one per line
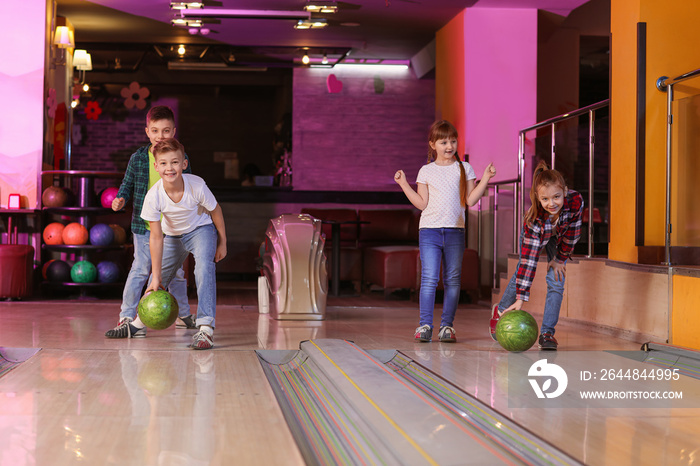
(51, 103)
(135, 96)
(93, 110)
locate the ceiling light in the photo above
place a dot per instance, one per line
(86, 87)
(185, 5)
(316, 23)
(325, 59)
(305, 59)
(181, 50)
(321, 7)
(191, 23)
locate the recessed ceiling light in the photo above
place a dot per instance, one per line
(321, 7)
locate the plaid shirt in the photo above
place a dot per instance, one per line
(135, 183)
(536, 236)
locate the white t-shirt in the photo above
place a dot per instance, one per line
(180, 217)
(444, 209)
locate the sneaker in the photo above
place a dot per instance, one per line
(447, 334)
(424, 333)
(495, 315)
(126, 329)
(202, 340)
(186, 322)
(548, 342)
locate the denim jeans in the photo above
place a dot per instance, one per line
(555, 292)
(438, 245)
(201, 242)
(139, 276)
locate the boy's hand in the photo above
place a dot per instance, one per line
(220, 252)
(153, 286)
(400, 177)
(118, 203)
(490, 171)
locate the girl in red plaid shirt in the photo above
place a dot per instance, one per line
(552, 223)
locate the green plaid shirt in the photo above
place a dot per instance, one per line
(135, 184)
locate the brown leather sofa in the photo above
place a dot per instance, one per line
(382, 249)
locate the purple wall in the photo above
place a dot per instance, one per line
(355, 140)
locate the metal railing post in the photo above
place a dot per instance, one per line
(495, 234)
(554, 146)
(669, 128)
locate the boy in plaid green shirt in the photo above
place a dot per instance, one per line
(139, 177)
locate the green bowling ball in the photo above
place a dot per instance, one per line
(516, 331)
(158, 310)
(83, 272)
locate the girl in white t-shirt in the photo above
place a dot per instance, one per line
(445, 187)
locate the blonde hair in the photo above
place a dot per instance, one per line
(543, 176)
(443, 129)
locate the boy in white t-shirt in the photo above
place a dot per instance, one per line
(184, 218)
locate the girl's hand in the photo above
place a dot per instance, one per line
(516, 306)
(490, 171)
(400, 177)
(559, 269)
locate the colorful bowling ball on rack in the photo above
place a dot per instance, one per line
(107, 272)
(107, 196)
(45, 267)
(158, 310)
(119, 233)
(53, 196)
(53, 233)
(58, 271)
(101, 234)
(75, 234)
(516, 331)
(83, 272)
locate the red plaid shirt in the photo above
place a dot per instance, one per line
(537, 235)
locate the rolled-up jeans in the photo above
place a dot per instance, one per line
(446, 246)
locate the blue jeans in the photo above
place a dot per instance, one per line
(438, 245)
(555, 292)
(201, 242)
(139, 276)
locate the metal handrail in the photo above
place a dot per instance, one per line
(496, 185)
(665, 84)
(590, 110)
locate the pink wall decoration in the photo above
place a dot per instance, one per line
(22, 92)
(135, 96)
(334, 84)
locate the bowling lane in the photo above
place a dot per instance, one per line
(135, 407)
(591, 435)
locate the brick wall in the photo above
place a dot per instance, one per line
(356, 139)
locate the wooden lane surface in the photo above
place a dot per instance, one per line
(135, 407)
(595, 436)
